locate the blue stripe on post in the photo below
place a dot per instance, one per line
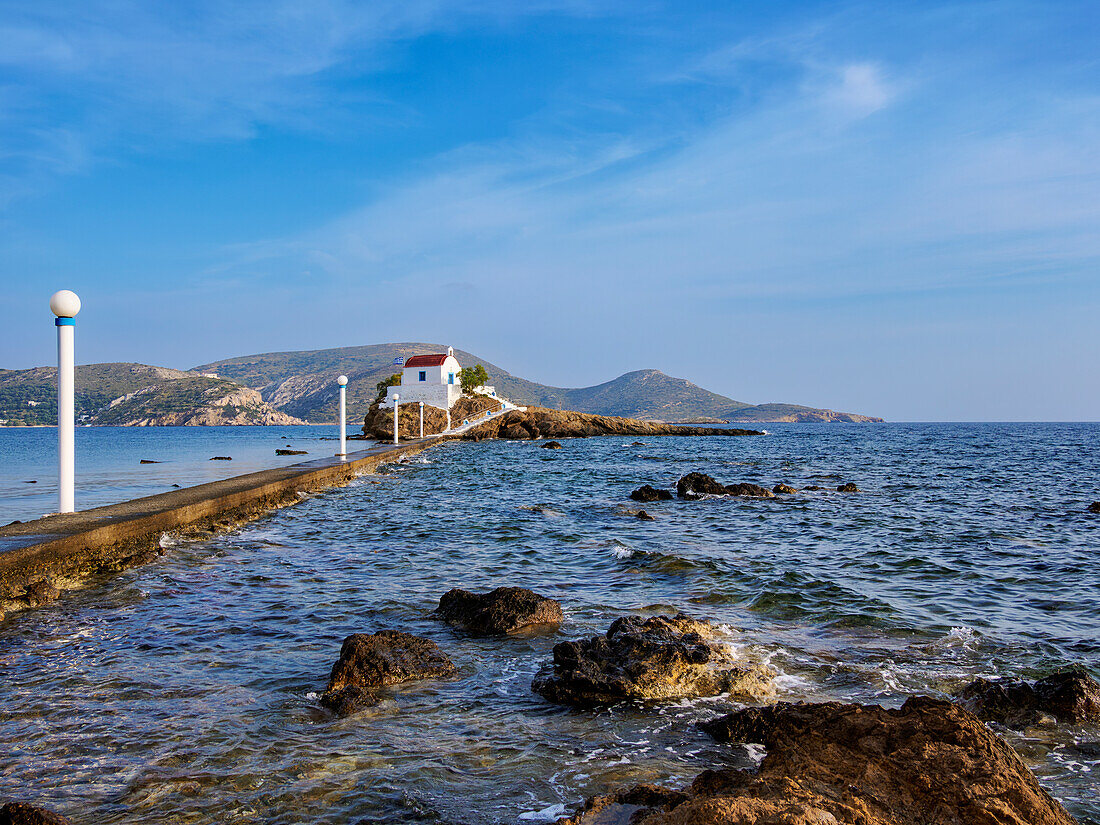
(64, 322)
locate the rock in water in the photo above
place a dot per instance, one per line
(655, 658)
(644, 516)
(696, 485)
(849, 487)
(839, 764)
(388, 657)
(290, 452)
(348, 700)
(784, 489)
(551, 445)
(646, 493)
(1070, 696)
(499, 612)
(20, 813)
(1094, 507)
(746, 489)
(222, 458)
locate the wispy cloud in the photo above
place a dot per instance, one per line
(80, 81)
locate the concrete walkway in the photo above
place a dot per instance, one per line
(39, 557)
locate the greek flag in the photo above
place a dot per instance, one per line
(397, 362)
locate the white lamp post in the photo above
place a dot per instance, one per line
(448, 418)
(421, 419)
(65, 305)
(343, 382)
(396, 399)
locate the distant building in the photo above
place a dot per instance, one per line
(432, 379)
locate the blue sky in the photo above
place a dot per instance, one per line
(890, 208)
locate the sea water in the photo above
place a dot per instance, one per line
(108, 461)
(186, 690)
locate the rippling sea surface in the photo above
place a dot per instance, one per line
(185, 690)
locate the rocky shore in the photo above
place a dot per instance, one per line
(847, 764)
(828, 763)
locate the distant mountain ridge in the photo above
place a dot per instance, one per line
(302, 384)
(292, 387)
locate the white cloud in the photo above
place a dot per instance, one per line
(861, 89)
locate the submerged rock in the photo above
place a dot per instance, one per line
(20, 813)
(849, 487)
(348, 700)
(695, 485)
(784, 489)
(655, 658)
(371, 661)
(841, 764)
(221, 458)
(647, 494)
(1094, 507)
(290, 452)
(644, 516)
(499, 612)
(1070, 696)
(551, 445)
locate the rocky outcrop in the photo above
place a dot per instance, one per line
(784, 490)
(539, 422)
(696, 485)
(20, 813)
(500, 612)
(370, 662)
(551, 445)
(191, 402)
(849, 487)
(655, 658)
(378, 422)
(1069, 696)
(646, 494)
(840, 764)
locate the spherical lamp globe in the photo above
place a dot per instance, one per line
(65, 304)
(342, 380)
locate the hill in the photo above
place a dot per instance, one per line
(133, 395)
(302, 384)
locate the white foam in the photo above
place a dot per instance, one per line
(548, 814)
(756, 752)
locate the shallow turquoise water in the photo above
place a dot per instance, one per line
(185, 690)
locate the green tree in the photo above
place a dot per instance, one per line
(471, 377)
(393, 381)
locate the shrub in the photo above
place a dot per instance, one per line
(472, 377)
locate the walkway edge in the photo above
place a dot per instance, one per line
(38, 558)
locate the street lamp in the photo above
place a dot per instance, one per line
(65, 305)
(343, 382)
(396, 399)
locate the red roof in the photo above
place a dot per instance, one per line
(426, 360)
